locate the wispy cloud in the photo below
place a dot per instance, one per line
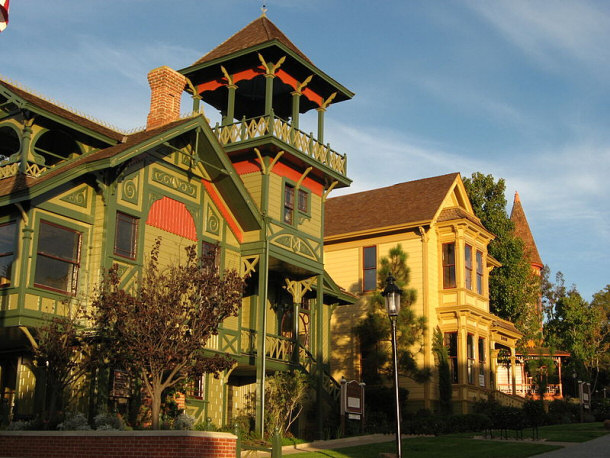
(551, 32)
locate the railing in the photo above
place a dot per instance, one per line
(248, 129)
(282, 349)
(527, 389)
(32, 170)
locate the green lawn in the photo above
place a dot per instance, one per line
(577, 432)
(462, 445)
(440, 447)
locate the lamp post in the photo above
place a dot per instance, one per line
(392, 294)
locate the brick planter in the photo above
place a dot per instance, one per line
(111, 444)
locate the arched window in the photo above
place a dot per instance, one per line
(55, 146)
(9, 142)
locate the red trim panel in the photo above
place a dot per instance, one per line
(252, 73)
(172, 216)
(224, 210)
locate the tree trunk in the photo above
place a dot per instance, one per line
(156, 407)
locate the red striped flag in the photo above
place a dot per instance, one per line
(3, 14)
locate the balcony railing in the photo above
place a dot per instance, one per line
(31, 170)
(527, 389)
(249, 129)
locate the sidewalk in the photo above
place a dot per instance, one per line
(595, 448)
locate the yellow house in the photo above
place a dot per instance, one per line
(446, 244)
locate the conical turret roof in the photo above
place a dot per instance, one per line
(259, 31)
(522, 230)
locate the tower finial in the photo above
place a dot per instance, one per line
(264, 10)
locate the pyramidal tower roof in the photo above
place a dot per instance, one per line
(259, 31)
(522, 230)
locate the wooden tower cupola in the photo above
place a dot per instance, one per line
(258, 77)
(258, 70)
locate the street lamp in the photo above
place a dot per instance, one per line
(392, 294)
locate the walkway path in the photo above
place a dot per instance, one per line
(596, 448)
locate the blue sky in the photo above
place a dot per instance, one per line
(517, 89)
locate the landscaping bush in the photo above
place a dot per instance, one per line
(601, 409)
(562, 411)
(109, 422)
(75, 421)
(183, 422)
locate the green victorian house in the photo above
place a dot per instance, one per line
(77, 196)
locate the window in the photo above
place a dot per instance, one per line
(470, 353)
(468, 266)
(303, 204)
(288, 204)
(126, 234)
(196, 388)
(369, 265)
(479, 272)
(451, 345)
(58, 258)
(448, 265)
(209, 254)
(7, 252)
(482, 354)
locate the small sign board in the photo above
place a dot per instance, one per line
(352, 398)
(120, 384)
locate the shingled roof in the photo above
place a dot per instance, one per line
(62, 112)
(522, 230)
(259, 31)
(411, 202)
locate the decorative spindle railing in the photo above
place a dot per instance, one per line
(249, 129)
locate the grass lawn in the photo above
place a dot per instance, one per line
(440, 447)
(462, 445)
(576, 432)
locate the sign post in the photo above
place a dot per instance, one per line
(352, 402)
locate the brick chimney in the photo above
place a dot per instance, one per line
(166, 86)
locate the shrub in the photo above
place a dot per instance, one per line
(183, 422)
(562, 411)
(109, 422)
(19, 425)
(75, 421)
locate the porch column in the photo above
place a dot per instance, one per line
(513, 369)
(296, 99)
(230, 116)
(493, 355)
(321, 112)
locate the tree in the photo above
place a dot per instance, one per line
(285, 393)
(513, 288)
(159, 330)
(444, 374)
(62, 355)
(581, 329)
(375, 327)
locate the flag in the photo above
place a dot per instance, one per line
(3, 14)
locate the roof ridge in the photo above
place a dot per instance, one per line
(395, 184)
(63, 106)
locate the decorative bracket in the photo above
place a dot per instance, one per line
(248, 265)
(298, 288)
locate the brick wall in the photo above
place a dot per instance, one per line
(111, 444)
(166, 86)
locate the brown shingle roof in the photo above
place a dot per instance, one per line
(20, 182)
(449, 214)
(403, 203)
(522, 230)
(62, 112)
(259, 31)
